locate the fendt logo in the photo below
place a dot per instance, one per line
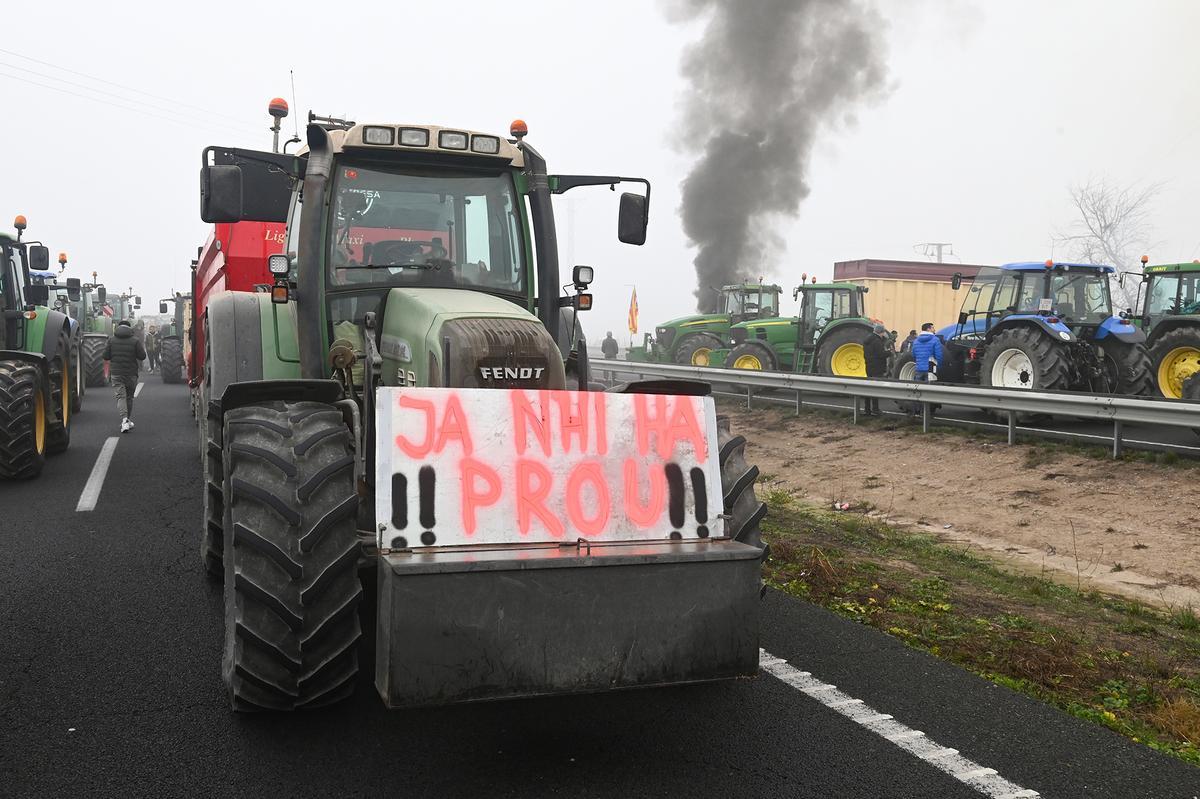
(511, 372)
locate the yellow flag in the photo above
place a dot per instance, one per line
(633, 313)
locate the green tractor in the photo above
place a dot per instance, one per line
(825, 339)
(351, 412)
(68, 298)
(1171, 320)
(35, 362)
(97, 323)
(171, 353)
(693, 339)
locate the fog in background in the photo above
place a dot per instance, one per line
(989, 113)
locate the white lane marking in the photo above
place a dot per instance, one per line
(138, 390)
(915, 742)
(91, 491)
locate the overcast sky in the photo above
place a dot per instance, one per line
(995, 109)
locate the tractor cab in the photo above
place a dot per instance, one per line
(822, 304)
(750, 301)
(1171, 320)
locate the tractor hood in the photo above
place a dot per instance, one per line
(456, 337)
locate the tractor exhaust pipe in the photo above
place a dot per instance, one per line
(309, 313)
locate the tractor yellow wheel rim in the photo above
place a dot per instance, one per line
(66, 396)
(700, 356)
(748, 362)
(1175, 368)
(848, 361)
(39, 421)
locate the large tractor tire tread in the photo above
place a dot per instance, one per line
(1049, 358)
(212, 545)
(689, 345)
(750, 352)
(1135, 377)
(291, 557)
(58, 410)
(20, 392)
(834, 340)
(737, 487)
(93, 361)
(1172, 340)
(170, 360)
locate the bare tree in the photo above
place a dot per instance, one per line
(1112, 226)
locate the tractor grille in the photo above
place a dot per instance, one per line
(502, 353)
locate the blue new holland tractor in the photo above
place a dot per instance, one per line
(1042, 326)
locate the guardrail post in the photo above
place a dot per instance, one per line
(1118, 444)
(854, 413)
(749, 397)
(799, 401)
(1012, 427)
(926, 413)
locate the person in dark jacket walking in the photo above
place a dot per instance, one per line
(876, 358)
(609, 346)
(124, 353)
(906, 345)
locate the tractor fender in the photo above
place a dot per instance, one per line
(250, 338)
(1055, 330)
(41, 332)
(253, 392)
(36, 358)
(1121, 329)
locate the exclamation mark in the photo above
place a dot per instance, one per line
(399, 509)
(426, 481)
(675, 498)
(700, 495)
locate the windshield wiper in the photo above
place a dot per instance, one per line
(388, 266)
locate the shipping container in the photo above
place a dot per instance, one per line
(905, 294)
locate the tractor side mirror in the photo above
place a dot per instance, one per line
(220, 193)
(632, 219)
(39, 258)
(101, 294)
(962, 318)
(162, 307)
(137, 301)
(74, 292)
(956, 281)
(37, 294)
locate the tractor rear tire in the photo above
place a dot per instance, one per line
(1133, 372)
(752, 355)
(78, 387)
(58, 420)
(23, 415)
(694, 349)
(737, 487)
(840, 353)
(904, 367)
(212, 541)
(93, 361)
(170, 356)
(291, 557)
(1033, 359)
(1175, 358)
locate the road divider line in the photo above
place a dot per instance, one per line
(95, 482)
(138, 390)
(984, 780)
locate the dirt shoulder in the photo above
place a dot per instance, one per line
(1126, 527)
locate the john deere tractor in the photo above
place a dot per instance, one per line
(35, 362)
(826, 338)
(171, 338)
(692, 339)
(1171, 319)
(357, 424)
(68, 297)
(97, 323)
(1042, 326)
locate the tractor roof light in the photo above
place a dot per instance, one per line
(277, 108)
(19, 222)
(518, 129)
(62, 258)
(414, 137)
(452, 140)
(1049, 263)
(486, 145)
(1145, 260)
(383, 137)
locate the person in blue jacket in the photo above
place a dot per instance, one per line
(927, 353)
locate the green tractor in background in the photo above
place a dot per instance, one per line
(97, 323)
(35, 362)
(1171, 320)
(171, 354)
(693, 339)
(69, 298)
(825, 339)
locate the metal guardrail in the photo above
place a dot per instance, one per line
(1114, 409)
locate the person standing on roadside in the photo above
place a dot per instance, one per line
(876, 358)
(927, 356)
(906, 345)
(609, 346)
(124, 353)
(152, 347)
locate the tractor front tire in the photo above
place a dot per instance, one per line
(737, 488)
(170, 360)
(1131, 369)
(840, 353)
(694, 350)
(752, 355)
(212, 541)
(1175, 358)
(1025, 358)
(93, 361)
(291, 557)
(23, 415)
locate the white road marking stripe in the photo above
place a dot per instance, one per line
(945, 759)
(91, 491)
(138, 390)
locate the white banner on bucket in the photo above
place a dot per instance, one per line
(484, 466)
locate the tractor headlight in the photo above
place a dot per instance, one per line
(452, 140)
(414, 137)
(488, 145)
(384, 137)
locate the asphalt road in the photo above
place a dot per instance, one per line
(109, 684)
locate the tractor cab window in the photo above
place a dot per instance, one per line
(1029, 295)
(1004, 298)
(821, 307)
(1081, 297)
(1164, 296)
(413, 227)
(1189, 293)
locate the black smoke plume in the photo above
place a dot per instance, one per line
(763, 81)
